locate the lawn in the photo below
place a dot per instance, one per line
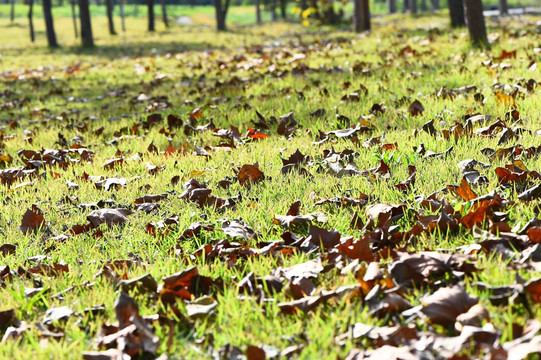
(150, 185)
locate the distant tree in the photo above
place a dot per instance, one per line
(221, 13)
(304, 6)
(361, 15)
(476, 22)
(424, 7)
(283, 9)
(164, 13)
(150, 6)
(49, 24)
(109, 4)
(456, 12)
(31, 20)
(122, 15)
(74, 18)
(258, 11)
(406, 6)
(12, 11)
(413, 6)
(86, 25)
(435, 4)
(504, 8)
(391, 6)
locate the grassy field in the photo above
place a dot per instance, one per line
(81, 134)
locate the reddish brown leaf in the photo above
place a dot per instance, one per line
(250, 174)
(32, 220)
(446, 304)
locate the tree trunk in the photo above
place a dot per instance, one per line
(86, 25)
(274, 17)
(109, 5)
(413, 6)
(365, 15)
(283, 9)
(122, 15)
(12, 11)
(258, 11)
(504, 8)
(31, 20)
(391, 6)
(456, 11)
(405, 8)
(304, 6)
(476, 22)
(361, 15)
(74, 18)
(221, 13)
(164, 13)
(150, 6)
(49, 24)
(435, 4)
(424, 7)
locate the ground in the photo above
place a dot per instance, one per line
(206, 123)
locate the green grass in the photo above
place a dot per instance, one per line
(42, 93)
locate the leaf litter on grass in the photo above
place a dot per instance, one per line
(200, 236)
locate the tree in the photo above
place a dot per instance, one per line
(283, 9)
(258, 11)
(221, 13)
(424, 7)
(435, 4)
(413, 6)
(456, 11)
(122, 15)
(12, 11)
(74, 18)
(49, 24)
(109, 5)
(405, 8)
(361, 15)
(164, 13)
(504, 8)
(86, 25)
(31, 20)
(150, 5)
(391, 6)
(476, 22)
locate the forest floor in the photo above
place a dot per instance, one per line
(271, 192)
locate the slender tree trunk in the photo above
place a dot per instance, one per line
(258, 11)
(164, 13)
(150, 5)
(476, 22)
(136, 8)
(274, 17)
(31, 20)
(74, 18)
(221, 13)
(504, 8)
(12, 11)
(49, 24)
(122, 15)
(86, 25)
(435, 4)
(456, 11)
(405, 8)
(304, 6)
(413, 6)
(424, 7)
(283, 9)
(391, 6)
(109, 5)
